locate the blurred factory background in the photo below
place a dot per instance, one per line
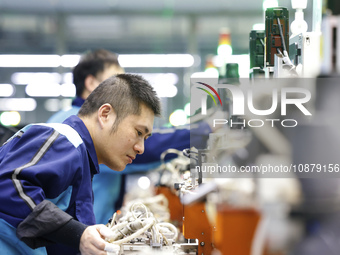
(38, 86)
(167, 41)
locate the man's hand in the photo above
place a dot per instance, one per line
(91, 242)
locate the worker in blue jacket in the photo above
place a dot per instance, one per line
(93, 68)
(46, 170)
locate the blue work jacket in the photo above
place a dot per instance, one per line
(54, 162)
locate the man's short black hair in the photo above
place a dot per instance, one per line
(125, 93)
(92, 63)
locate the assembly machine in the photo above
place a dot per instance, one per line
(192, 211)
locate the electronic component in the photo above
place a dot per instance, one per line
(277, 33)
(256, 48)
(256, 53)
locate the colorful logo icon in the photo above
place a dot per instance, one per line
(209, 93)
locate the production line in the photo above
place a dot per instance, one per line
(195, 211)
(263, 181)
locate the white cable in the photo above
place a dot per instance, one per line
(111, 234)
(110, 225)
(172, 228)
(156, 235)
(119, 225)
(132, 221)
(259, 239)
(134, 235)
(286, 59)
(157, 199)
(138, 204)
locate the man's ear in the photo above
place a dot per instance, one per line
(106, 115)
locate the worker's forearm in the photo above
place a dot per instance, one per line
(48, 224)
(69, 234)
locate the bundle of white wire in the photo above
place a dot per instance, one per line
(137, 222)
(158, 205)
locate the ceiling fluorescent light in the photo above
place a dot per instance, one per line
(43, 90)
(24, 78)
(156, 60)
(17, 104)
(29, 60)
(6, 90)
(69, 60)
(163, 83)
(125, 60)
(68, 90)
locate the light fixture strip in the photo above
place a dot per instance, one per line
(126, 60)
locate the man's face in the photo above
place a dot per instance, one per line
(119, 148)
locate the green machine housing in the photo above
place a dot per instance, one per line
(274, 40)
(256, 48)
(256, 53)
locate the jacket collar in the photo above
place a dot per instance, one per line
(76, 123)
(78, 101)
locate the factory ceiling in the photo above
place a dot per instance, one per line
(130, 26)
